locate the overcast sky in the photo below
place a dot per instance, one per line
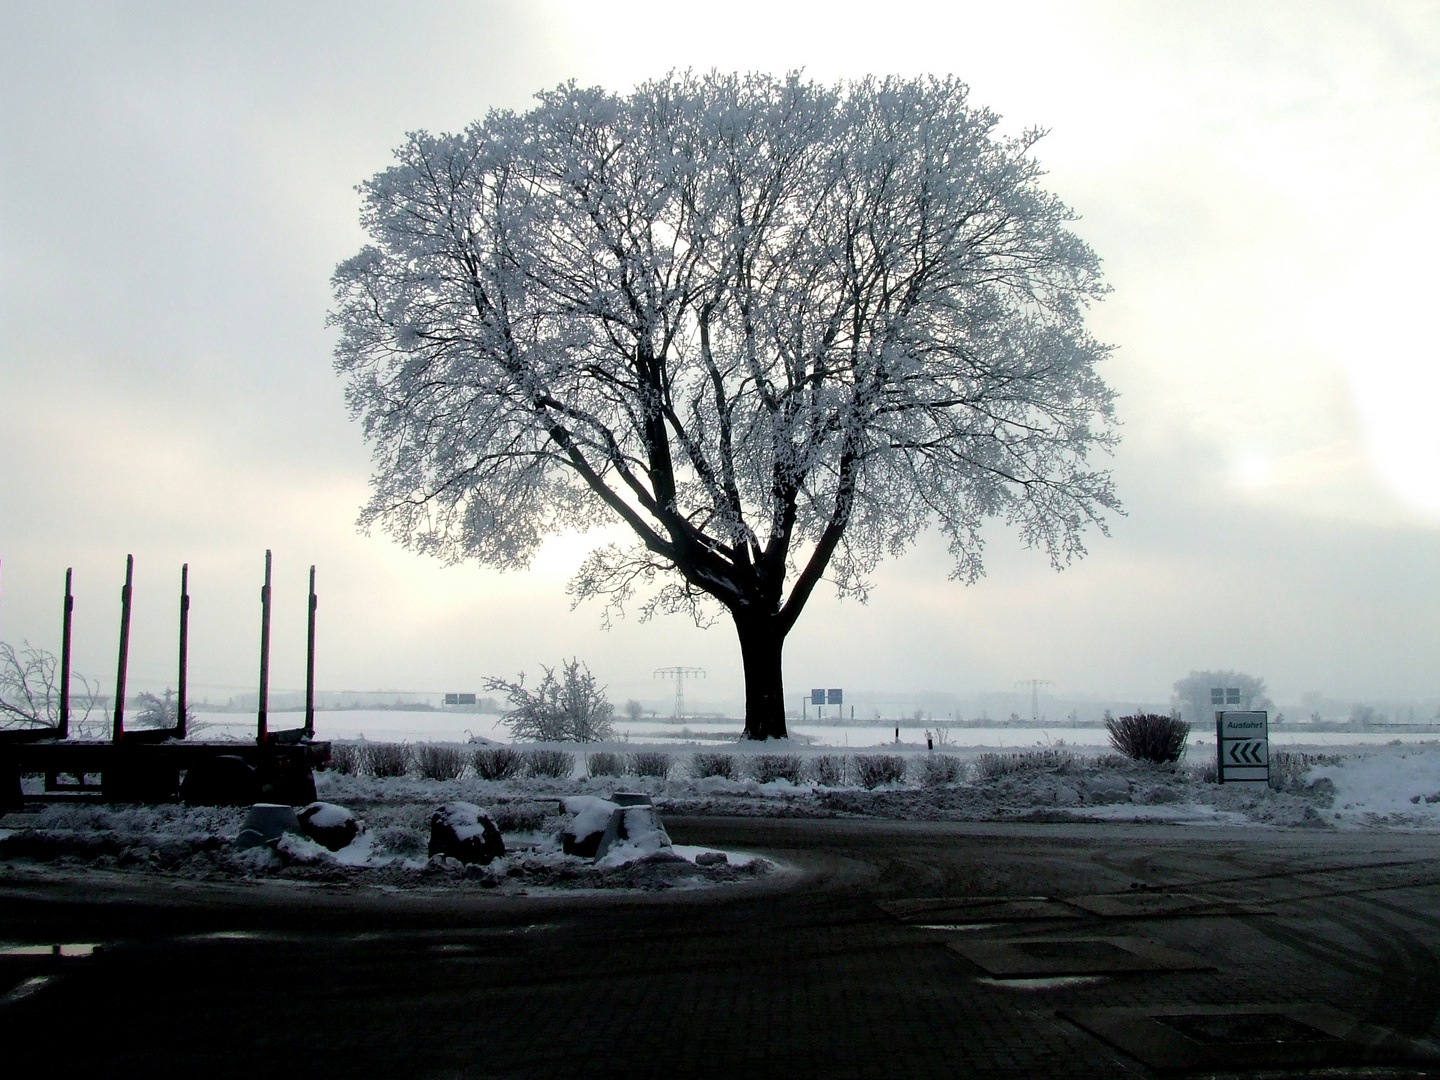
(177, 184)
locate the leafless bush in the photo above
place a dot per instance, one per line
(605, 763)
(872, 770)
(345, 758)
(650, 763)
(498, 763)
(992, 766)
(571, 708)
(387, 758)
(768, 767)
(829, 770)
(554, 763)
(703, 765)
(1207, 772)
(942, 769)
(1149, 736)
(439, 762)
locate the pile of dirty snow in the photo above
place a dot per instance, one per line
(390, 849)
(1391, 787)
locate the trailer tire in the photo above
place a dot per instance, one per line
(226, 780)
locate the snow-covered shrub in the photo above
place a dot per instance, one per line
(521, 816)
(1149, 736)
(872, 770)
(571, 708)
(556, 763)
(344, 758)
(942, 769)
(703, 765)
(498, 763)
(829, 770)
(768, 767)
(387, 758)
(1288, 768)
(650, 763)
(993, 766)
(439, 762)
(605, 763)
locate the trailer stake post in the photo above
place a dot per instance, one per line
(118, 731)
(62, 730)
(182, 684)
(310, 662)
(262, 724)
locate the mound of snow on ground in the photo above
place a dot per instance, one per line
(1398, 788)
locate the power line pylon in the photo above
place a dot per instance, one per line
(1034, 685)
(678, 674)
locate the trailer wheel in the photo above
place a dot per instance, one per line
(226, 780)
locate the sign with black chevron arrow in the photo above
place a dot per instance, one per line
(1242, 742)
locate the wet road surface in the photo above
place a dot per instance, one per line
(833, 969)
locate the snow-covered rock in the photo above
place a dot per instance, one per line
(632, 832)
(600, 827)
(461, 830)
(333, 827)
(582, 835)
(265, 823)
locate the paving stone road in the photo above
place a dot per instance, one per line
(801, 975)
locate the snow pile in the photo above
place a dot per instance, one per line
(638, 834)
(387, 850)
(1400, 788)
(591, 815)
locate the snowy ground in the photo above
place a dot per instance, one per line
(1393, 787)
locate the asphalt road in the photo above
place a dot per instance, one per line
(802, 974)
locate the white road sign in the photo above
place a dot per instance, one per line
(1242, 741)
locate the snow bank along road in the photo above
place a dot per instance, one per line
(838, 971)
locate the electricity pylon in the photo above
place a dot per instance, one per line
(1034, 685)
(678, 674)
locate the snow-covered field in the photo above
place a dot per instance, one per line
(1392, 787)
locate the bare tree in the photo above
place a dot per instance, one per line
(30, 689)
(774, 328)
(1192, 693)
(572, 708)
(161, 712)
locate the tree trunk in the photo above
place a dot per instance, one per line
(761, 644)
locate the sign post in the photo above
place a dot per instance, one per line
(1242, 741)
